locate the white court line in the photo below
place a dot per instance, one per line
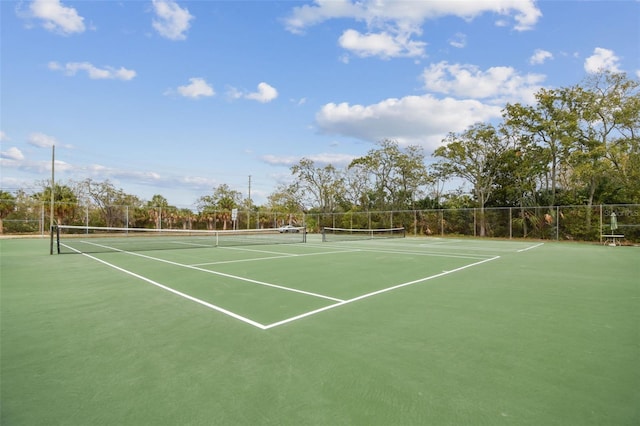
(308, 293)
(529, 248)
(176, 292)
(286, 256)
(426, 253)
(257, 251)
(423, 253)
(255, 323)
(384, 290)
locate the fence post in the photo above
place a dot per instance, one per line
(415, 223)
(557, 223)
(475, 224)
(601, 224)
(42, 218)
(510, 223)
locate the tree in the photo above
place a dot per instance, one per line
(65, 201)
(397, 174)
(522, 170)
(357, 193)
(319, 186)
(113, 203)
(473, 155)
(7, 206)
(159, 208)
(604, 153)
(285, 200)
(219, 205)
(551, 124)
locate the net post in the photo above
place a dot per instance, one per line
(55, 236)
(51, 231)
(58, 239)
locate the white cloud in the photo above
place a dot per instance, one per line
(381, 44)
(422, 120)
(233, 93)
(275, 160)
(540, 56)
(94, 73)
(197, 88)
(497, 84)
(392, 24)
(139, 176)
(13, 154)
(459, 40)
(322, 158)
(331, 158)
(41, 140)
(405, 14)
(322, 10)
(265, 93)
(4, 137)
(57, 18)
(602, 60)
(471, 95)
(171, 21)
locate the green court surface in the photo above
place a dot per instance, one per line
(406, 331)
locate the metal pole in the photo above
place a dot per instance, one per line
(510, 223)
(249, 212)
(51, 222)
(557, 223)
(601, 224)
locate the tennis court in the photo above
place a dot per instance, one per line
(357, 332)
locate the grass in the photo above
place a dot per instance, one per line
(547, 336)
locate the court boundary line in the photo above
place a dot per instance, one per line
(248, 320)
(472, 256)
(375, 293)
(222, 274)
(285, 256)
(530, 248)
(174, 291)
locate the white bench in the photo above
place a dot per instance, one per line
(612, 239)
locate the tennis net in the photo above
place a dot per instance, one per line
(350, 234)
(95, 239)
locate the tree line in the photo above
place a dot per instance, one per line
(576, 145)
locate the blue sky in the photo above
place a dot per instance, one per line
(178, 97)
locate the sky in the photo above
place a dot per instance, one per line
(179, 97)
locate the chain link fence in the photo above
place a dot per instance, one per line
(561, 223)
(34, 217)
